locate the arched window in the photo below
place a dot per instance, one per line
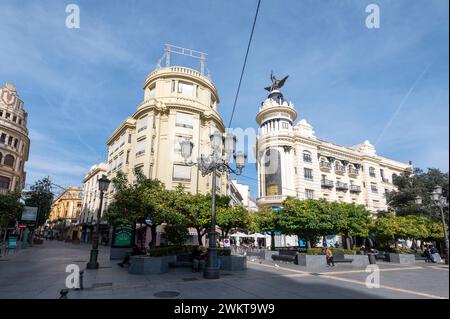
(4, 182)
(9, 160)
(307, 157)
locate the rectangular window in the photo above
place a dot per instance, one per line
(140, 147)
(122, 140)
(308, 174)
(181, 172)
(184, 120)
(14, 118)
(128, 157)
(309, 193)
(173, 86)
(3, 138)
(16, 142)
(374, 188)
(10, 140)
(152, 92)
(8, 115)
(185, 88)
(285, 125)
(1, 113)
(141, 124)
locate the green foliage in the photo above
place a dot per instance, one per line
(232, 217)
(391, 227)
(310, 219)
(356, 219)
(41, 196)
(421, 183)
(132, 203)
(10, 208)
(265, 220)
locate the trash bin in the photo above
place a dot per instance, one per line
(372, 259)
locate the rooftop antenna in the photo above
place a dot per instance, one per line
(187, 52)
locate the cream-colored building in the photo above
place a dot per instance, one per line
(91, 194)
(14, 141)
(292, 161)
(179, 103)
(65, 212)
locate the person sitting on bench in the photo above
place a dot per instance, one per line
(135, 251)
(198, 259)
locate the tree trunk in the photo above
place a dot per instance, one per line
(272, 240)
(153, 242)
(308, 244)
(199, 236)
(4, 241)
(348, 242)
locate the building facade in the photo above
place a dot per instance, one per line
(179, 103)
(91, 201)
(292, 161)
(14, 141)
(65, 212)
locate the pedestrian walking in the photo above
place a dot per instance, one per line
(329, 254)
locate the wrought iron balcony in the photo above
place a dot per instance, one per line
(352, 171)
(340, 169)
(325, 165)
(327, 183)
(341, 186)
(355, 188)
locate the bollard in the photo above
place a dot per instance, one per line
(81, 280)
(64, 293)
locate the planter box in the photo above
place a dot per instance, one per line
(402, 258)
(269, 253)
(144, 265)
(233, 263)
(358, 260)
(312, 261)
(118, 253)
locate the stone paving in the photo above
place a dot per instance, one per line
(39, 272)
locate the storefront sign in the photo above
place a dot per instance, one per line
(123, 236)
(29, 214)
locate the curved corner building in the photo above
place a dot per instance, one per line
(179, 103)
(293, 162)
(14, 141)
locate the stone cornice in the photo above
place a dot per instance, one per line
(128, 123)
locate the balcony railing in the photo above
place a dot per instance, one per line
(341, 186)
(355, 188)
(327, 183)
(339, 169)
(325, 165)
(385, 180)
(352, 171)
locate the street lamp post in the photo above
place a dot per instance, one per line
(440, 201)
(103, 184)
(222, 149)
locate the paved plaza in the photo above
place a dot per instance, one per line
(39, 272)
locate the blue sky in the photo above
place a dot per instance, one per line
(387, 85)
